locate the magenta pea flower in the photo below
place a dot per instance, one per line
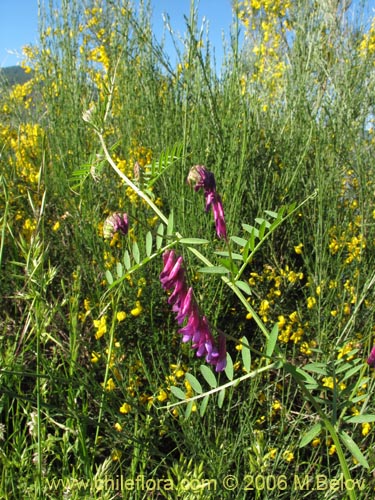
(197, 329)
(115, 223)
(371, 358)
(202, 178)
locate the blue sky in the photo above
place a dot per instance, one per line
(19, 23)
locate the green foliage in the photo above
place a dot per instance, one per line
(95, 384)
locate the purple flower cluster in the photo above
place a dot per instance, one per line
(206, 180)
(115, 223)
(371, 358)
(182, 299)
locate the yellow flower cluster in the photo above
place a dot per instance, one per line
(266, 24)
(350, 240)
(26, 145)
(274, 284)
(367, 45)
(21, 160)
(20, 95)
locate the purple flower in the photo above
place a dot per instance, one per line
(115, 223)
(183, 302)
(371, 358)
(202, 178)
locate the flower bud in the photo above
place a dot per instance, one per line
(115, 223)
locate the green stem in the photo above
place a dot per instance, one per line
(328, 425)
(106, 375)
(231, 383)
(131, 184)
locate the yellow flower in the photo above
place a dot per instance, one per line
(272, 453)
(56, 226)
(298, 248)
(137, 310)
(276, 405)
(121, 315)
(288, 456)
(101, 326)
(311, 301)
(293, 316)
(118, 427)
(328, 382)
(281, 322)
(315, 442)
(162, 396)
(116, 455)
(95, 357)
(366, 427)
(110, 385)
(125, 408)
(345, 350)
(264, 307)
(332, 450)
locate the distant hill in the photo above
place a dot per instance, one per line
(13, 75)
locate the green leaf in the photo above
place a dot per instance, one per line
(354, 450)
(260, 221)
(272, 339)
(316, 368)
(195, 384)
(262, 228)
(170, 224)
(109, 277)
(208, 376)
(357, 399)
(360, 419)
(272, 214)
(159, 235)
(292, 207)
(136, 252)
(252, 241)
(242, 285)
(176, 391)
(234, 256)
(127, 262)
(220, 398)
(307, 378)
(213, 270)
(193, 241)
(251, 229)
(148, 244)
(352, 371)
(229, 265)
(119, 270)
(166, 159)
(239, 241)
(246, 354)
(229, 367)
(310, 435)
(189, 408)
(203, 405)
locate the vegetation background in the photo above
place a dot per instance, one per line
(86, 367)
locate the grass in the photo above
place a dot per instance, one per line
(91, 354)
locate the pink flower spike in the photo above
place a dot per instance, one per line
(371, 358)
(221, 362)
(202, 178)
